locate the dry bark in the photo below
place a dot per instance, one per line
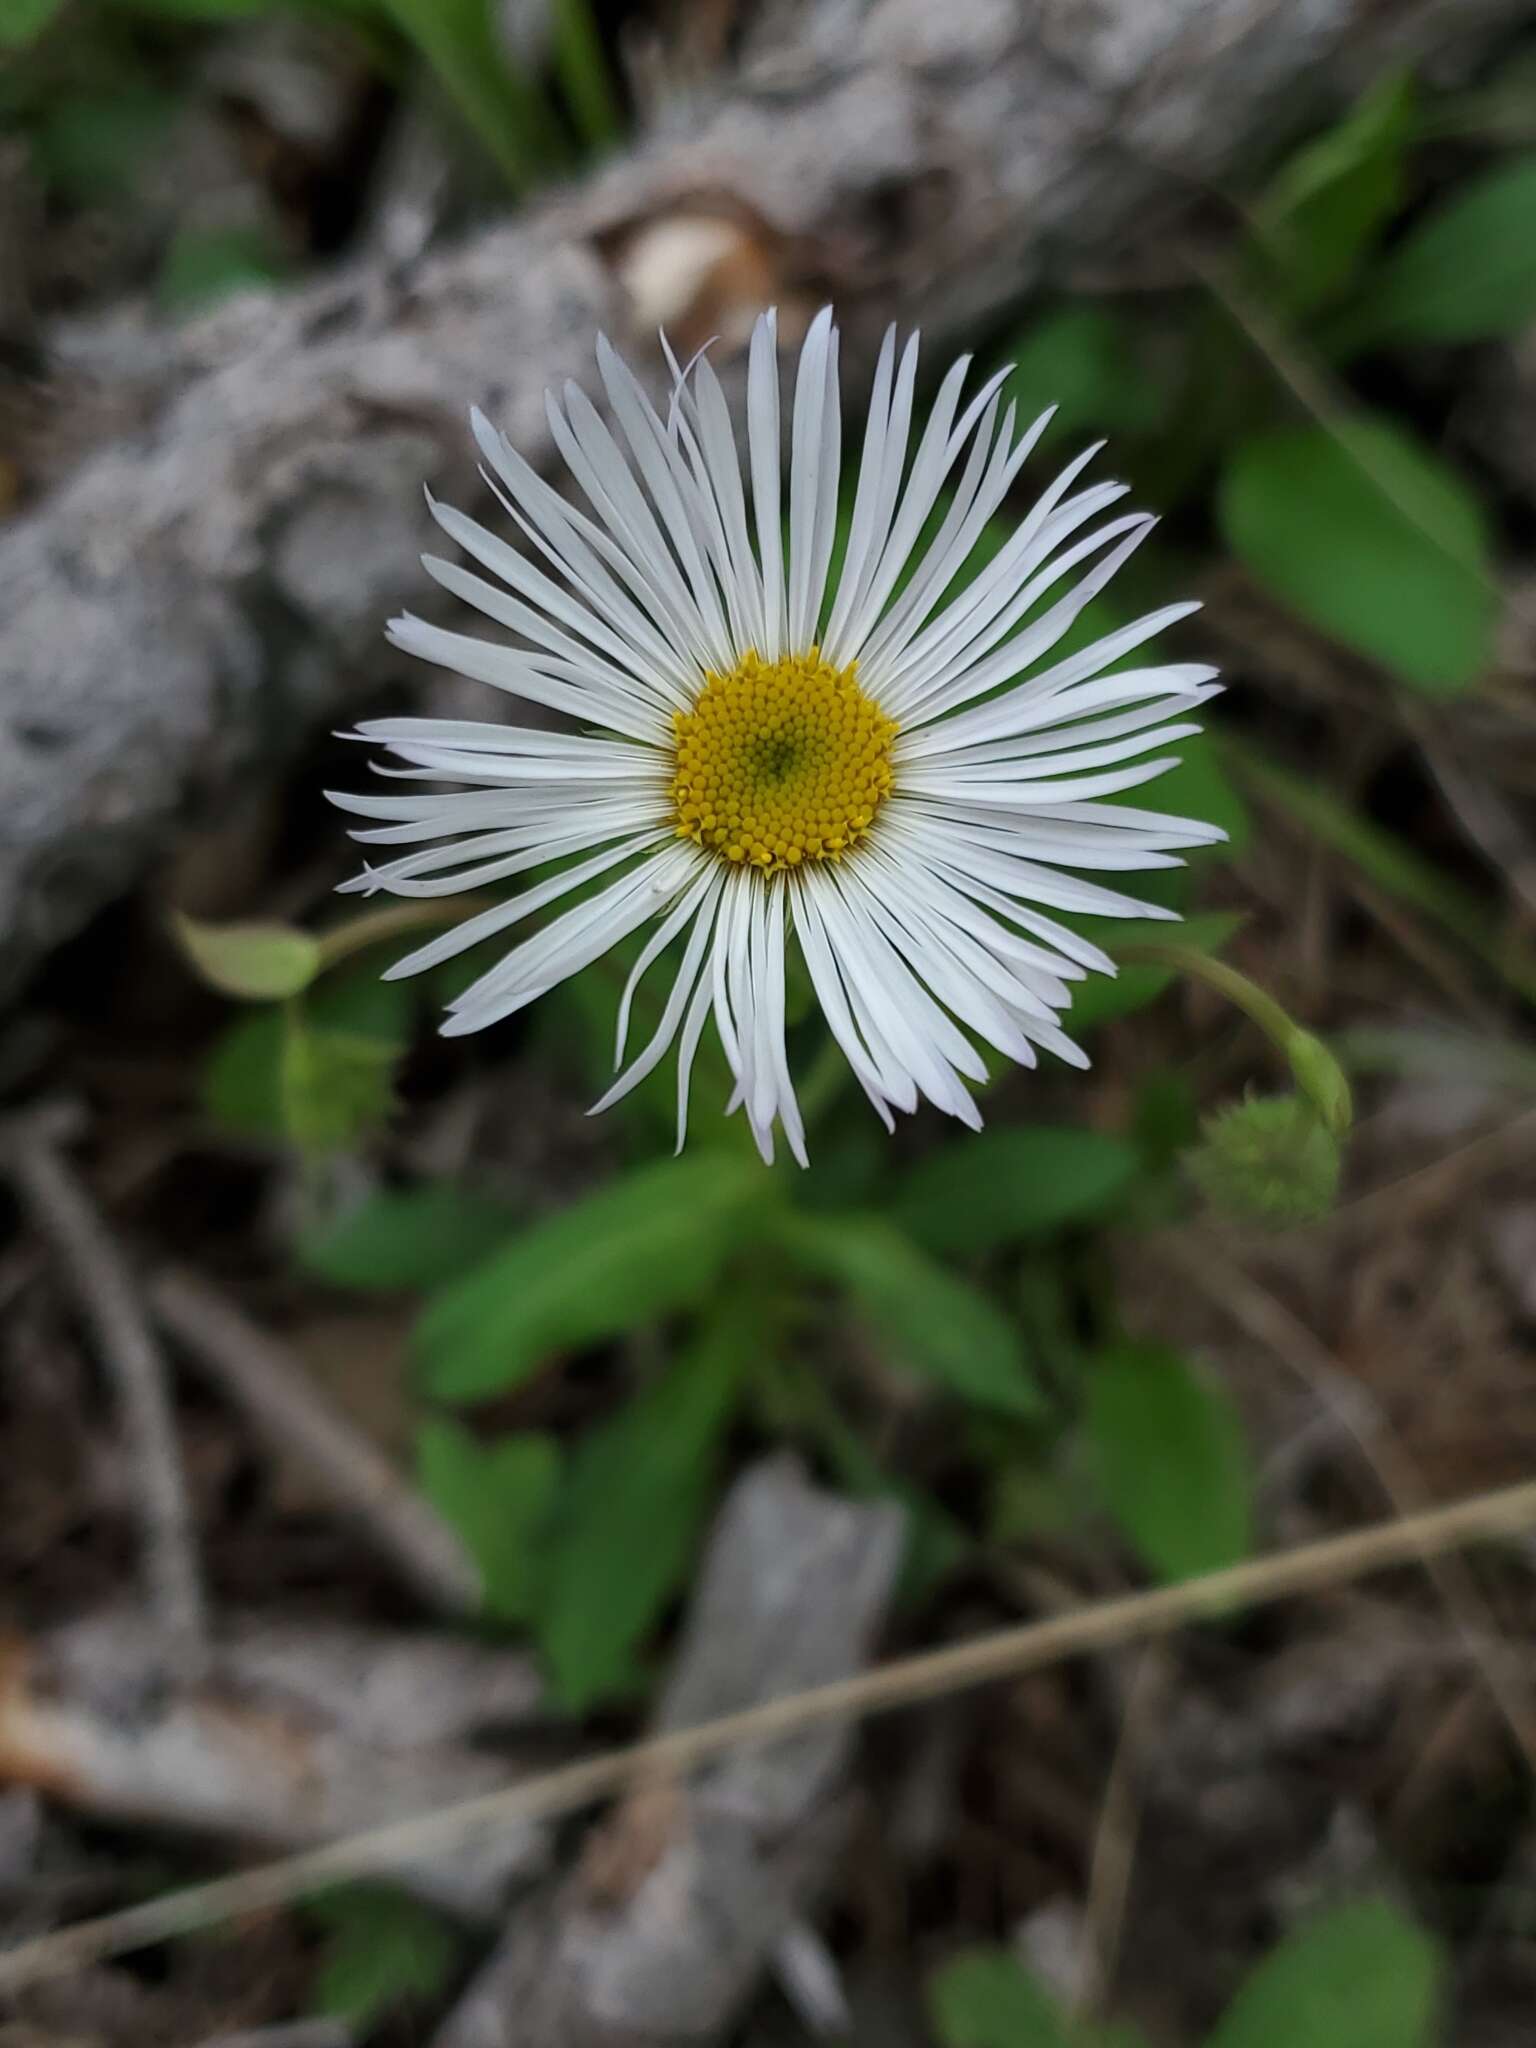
(88, 1716)
(680, 1899)
(190, 603)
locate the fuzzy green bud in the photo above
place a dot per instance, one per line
(1269, 1159)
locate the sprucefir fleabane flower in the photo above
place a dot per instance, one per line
(875, 765)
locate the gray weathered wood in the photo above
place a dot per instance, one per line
(678, 1901)
(189, 605)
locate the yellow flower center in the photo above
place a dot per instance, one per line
(781, 762)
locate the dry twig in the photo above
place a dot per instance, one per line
(1333, 1561)
(65, 1214)
(261, 1376)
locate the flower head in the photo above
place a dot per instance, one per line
(886, 772)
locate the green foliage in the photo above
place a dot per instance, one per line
(583, 73)
(382, 1950)
(23, 21)
(985, 1998)
(1467, 273)
(1372, 538)
(932, 1322)
(88, 146)
(1329, 203)
(1171, 1460)
(406, 1238)
(1082, 360)
(335, 1087)
(243, 1086)
(499, 1497)
(1269, 1159)
(203, 265)
(642, 1247)
(258, 962)
(1000, 1185)
(1362, 1976)
(458, 39)
(638, 1490)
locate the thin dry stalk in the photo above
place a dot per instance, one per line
(1114, 1847)
(1271, 1324)
(1007, 1653)
(66, 1216)
(267, 1384)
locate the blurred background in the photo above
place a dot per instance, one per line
(378, 1431)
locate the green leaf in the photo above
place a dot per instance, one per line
(630, 1513)
(203, 265)
(1082, 359)
(1327, 205)
(985, 1998)
(1000, 1185)
(1171, 1458)
(499, 1497)
(382, 1950)
(258, 961)
(23, 21)
(242, 1083)
(335, 1086)
(1467, 273)
(1362, 1977)
(642, 1247)
(1370, 537)
(933, 1323)
(403, 1238)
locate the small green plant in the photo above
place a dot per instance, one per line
(1360, 1976)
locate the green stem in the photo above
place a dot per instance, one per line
(1316, 1071)
(393, 921)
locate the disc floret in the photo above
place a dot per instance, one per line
(781, 762)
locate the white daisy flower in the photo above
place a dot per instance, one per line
(761, 752)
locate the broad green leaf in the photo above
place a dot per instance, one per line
(985, 1998)
(931, 1321)
(382, 1950)
(403, 1238)
(23, 21)
(335, 1086)
(257, 961)
(203, 265)
(499, 1497)
(1369, 536)
(1103, 996)
(1171, 1458)
(1327, 205)
(642, 1247)
(988, 1189)
(1082, 360)
(1467, 273)
(639, 1488)
(1363, 1976)
(242, 1082)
